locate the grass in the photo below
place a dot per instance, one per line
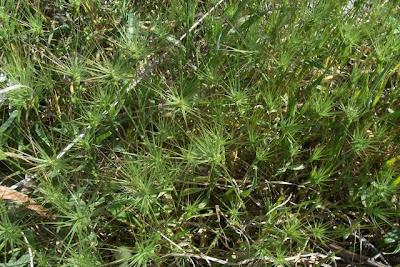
(269, 135)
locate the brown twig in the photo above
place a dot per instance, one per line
(351, 256)
(370, 245)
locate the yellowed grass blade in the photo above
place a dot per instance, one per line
(22, 199)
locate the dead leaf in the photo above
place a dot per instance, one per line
(14, 155)
(22, 199)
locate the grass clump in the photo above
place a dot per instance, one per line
(267, 136)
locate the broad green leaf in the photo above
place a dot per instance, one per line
(378, 82)
(390, 162)
(396, 181)
(122, 253)
(246, 193)
(42, 136)
(8, 122)
(2, 155)
(389, 239)
(103, 136)
(192, 190)
(132, 24)
(297, 167)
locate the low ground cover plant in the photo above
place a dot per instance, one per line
(199, 133)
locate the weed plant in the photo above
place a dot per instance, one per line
(269, 133)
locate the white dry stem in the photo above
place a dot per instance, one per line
(369, 244)
(30, 252)
(280, 205)
(26, 180)
(13, 87)
(179, 247)
(294, 259)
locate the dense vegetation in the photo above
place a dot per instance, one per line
(268, 135)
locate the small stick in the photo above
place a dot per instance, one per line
(351, 256)
(280, 205)
(29, 249)
(247, 261)
(369, 244)
(179, 247)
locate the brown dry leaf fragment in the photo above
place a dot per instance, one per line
(22, 199)
(14, 155)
